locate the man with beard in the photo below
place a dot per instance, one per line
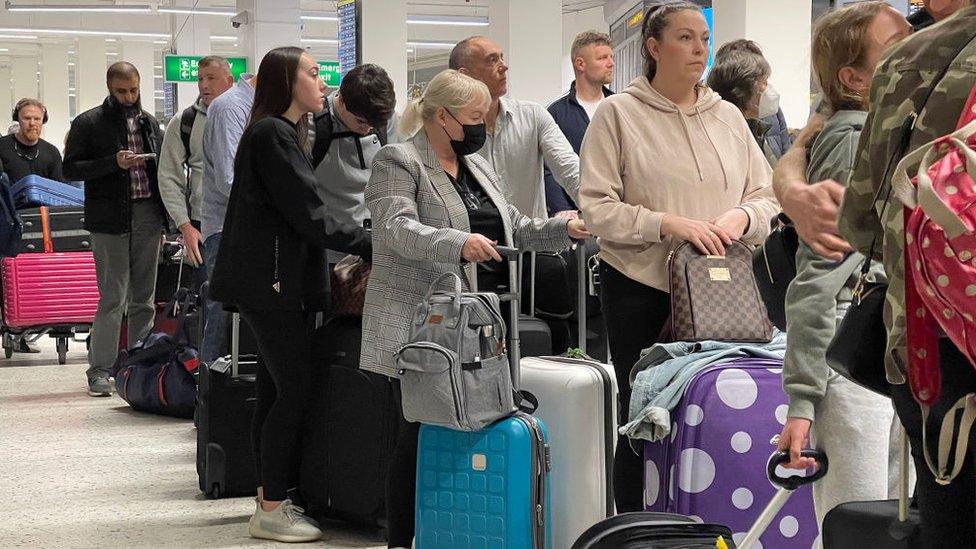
(592, 57)
(24, 153)
(113, 148)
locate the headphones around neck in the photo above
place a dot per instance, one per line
(23, 103)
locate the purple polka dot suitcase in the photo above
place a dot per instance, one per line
(713, 465)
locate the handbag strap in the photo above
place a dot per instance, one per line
(947, 436)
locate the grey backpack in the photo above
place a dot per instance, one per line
(454, 372)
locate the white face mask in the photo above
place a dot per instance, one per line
(769, 102)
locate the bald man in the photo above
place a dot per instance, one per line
(522, 135)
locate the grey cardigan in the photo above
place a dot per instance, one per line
(419, 228)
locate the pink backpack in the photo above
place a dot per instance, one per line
(940, 270)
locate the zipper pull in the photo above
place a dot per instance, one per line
(547, 455)
(539, 515)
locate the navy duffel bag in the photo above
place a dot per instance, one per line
(157, 375)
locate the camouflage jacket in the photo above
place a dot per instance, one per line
(902, 78)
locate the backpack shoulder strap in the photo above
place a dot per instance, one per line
(187, 118)
(322, 122)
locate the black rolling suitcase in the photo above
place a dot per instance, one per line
(892, 524)
(65, 224)
(225, 406)
(350, 430)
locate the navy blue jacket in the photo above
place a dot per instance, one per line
(573, 121)
(778, 137)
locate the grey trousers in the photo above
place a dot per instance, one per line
(125, 265)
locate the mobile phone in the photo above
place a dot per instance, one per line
(144, 156)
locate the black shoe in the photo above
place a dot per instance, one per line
(23, 347)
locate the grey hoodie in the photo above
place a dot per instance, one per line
(182, 201)
(822, 290)
(343, 173)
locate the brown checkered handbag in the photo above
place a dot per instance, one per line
(715, 298)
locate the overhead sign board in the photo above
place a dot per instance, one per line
(329, 72)
(184, 68)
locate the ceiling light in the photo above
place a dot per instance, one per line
(111, 39)
(112, 54)
(223, 38)
(431, 44)
(160, 41)
(77, 32)
(4, 49)
(448, 20)
(198, 11)
(23, 36)
(143, 8)
(320, 40)
(319, 16)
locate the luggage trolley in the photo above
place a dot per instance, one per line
(53, 294)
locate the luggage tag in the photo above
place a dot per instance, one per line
(593, 276)
(189, 360)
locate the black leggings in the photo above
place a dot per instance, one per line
(948, 513)
(284, 381)
(635, 315)
(401, 482)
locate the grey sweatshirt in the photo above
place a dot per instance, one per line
(818, 297)
(343, 173)
(182, 201)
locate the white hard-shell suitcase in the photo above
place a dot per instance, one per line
(578, 405)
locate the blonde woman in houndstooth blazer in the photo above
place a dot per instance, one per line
(436, 208)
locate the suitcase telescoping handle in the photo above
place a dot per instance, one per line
(235, 340)
(513, 256)
(786, 487)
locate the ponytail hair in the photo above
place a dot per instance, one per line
(449, 89)
(656, 19)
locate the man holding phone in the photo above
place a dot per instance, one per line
(113, 149)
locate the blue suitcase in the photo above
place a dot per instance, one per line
(484, 490)
(34, 190)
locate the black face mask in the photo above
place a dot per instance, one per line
(474, 137)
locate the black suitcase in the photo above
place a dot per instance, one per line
(535, 337)
(648, 530)
(862, 524)
(225, 406)
(66, 225)
(350, 430)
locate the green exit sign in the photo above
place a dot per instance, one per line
(329, 71)
(183, 68)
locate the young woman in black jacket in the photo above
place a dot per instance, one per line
(271, 267)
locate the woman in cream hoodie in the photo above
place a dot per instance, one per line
(665, 161)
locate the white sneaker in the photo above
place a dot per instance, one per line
(286, 523)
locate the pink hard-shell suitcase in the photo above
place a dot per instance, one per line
(49, 289)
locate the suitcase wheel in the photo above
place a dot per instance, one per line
(215, 491)
(62, 346)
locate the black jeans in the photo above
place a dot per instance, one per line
(401, 481)
(948, 513)
(635, 315)
(284, 382)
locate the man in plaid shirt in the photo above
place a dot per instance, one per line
(113, 147)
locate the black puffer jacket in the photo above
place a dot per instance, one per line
(95, 137)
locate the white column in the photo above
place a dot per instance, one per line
(194, 40)
(25, 77)
(6, 98)
(573, 24)
(534, 56)
(782, 28)
(142, 55)
(90, 73)
(272, 24)
(54, 92)
(384, 42)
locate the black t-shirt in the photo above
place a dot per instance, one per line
(19, 160)
(485, 219)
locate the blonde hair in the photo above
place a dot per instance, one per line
(449, 89)
(840, 39)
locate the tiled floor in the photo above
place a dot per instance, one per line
(78, 471)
